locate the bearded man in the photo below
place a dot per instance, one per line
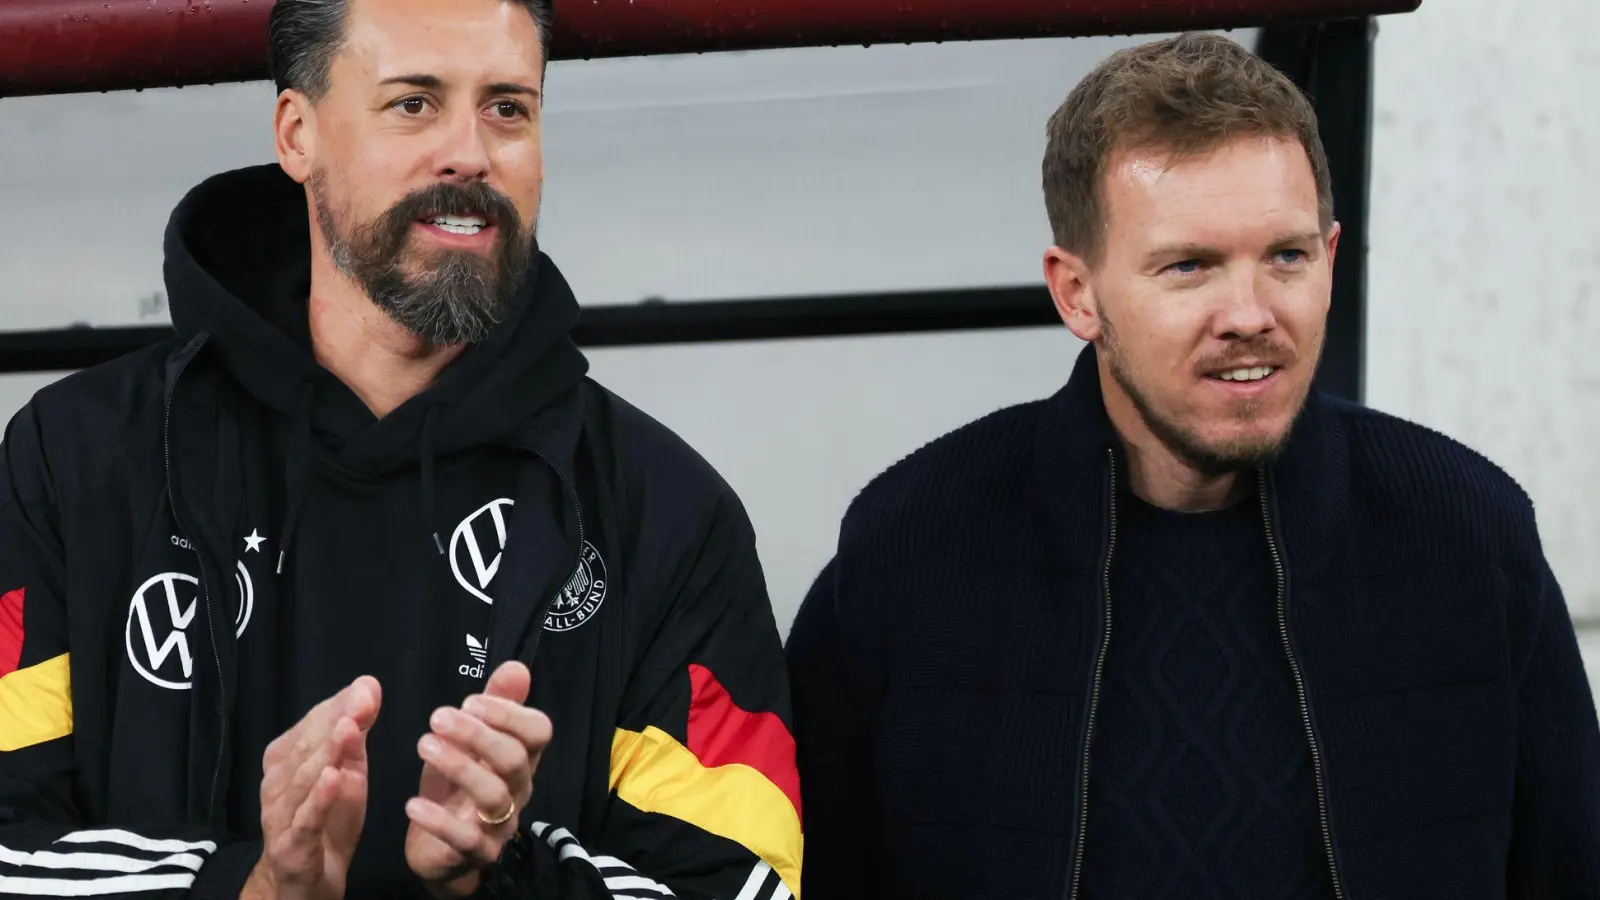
(358, 587)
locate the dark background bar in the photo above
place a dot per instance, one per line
(655, 322)
(1332, 62)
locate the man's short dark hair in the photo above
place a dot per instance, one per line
(303, 36)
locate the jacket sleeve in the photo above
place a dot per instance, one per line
(48, 845)
(1555, 848)
(834, 729)
(705, 796)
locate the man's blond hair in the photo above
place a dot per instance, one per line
(1181, 96)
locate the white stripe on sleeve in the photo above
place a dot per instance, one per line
(617, 875)
(129, 839)
(104, 862)
(94, 887)
(752, 886)
(635, 883)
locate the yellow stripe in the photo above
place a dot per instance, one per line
(36, 704)
(654, 773)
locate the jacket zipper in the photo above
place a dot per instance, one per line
(1099, 675)
(1299, 682)
(205, 582)
(544, 605)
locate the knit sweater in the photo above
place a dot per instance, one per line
(943, 666)
(1201, 784)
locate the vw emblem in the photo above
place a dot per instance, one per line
(476, 546)
(161, 611)
(164, 605)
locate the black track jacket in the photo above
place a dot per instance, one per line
(201, 540)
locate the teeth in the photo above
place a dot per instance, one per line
(1253, 374)
(459, 224)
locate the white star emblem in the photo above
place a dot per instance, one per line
(253, 542)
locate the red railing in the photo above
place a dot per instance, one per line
(64, 46)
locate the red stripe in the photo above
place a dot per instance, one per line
(720, 734)
(10, 631)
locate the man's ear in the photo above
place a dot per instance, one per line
(294, 132)
(1067, 277)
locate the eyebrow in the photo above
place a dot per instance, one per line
(1183, 251)
(1304, 237)
(1201, 251)
(434, 82)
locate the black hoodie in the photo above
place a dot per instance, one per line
(201, 541)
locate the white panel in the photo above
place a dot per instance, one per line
(1485, 275)
(799, 427)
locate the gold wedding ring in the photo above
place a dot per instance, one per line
(510, 811)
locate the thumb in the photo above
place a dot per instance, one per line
(511, 682)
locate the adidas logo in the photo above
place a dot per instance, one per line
(479, 651)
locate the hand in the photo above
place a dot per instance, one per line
(478, 764)
(314, 798)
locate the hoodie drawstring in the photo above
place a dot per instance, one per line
(297, 468)
(430, 511)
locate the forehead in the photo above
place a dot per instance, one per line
(1244, 188)
(456, 40)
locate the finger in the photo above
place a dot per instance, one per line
(530, 727)
(277, 778)
(355, 750)
(360, 697)
(466, 838)
(290, 786)
(350, 804)
(510, 681)
(295, 771)
(297, 846)
(312, 816)
(362, 700)
(503, 753)
(488, 791)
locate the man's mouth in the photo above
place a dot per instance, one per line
(1244, 373)
(466, 225)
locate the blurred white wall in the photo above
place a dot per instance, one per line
(1484, 312)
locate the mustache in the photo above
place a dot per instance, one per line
(1259, 350)
(475, 198)
(445, 199)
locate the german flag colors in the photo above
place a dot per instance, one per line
(736, 778)
(36, 701)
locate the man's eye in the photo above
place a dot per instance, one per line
(412, 106)
(1291, 257)
(1186, 267)
(509, 109)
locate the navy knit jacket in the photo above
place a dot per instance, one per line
(944, 664)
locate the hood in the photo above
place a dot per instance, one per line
(238, 268)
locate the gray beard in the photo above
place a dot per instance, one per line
(460, 296)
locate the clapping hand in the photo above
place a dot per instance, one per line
(477, 775)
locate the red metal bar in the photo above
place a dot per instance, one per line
(65, 46)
